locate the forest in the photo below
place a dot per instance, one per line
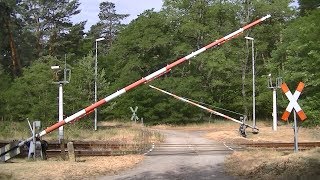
(37, 34)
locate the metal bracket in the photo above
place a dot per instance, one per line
(35, 145)
(242, 130)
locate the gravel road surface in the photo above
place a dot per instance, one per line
(184, 155)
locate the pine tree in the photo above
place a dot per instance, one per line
(7, 26)
(109, 25)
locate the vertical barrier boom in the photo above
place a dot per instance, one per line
(146, 79)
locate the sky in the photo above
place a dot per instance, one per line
(90, 9)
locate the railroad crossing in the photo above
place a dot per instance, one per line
(142, 81)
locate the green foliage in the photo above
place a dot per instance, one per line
(307, 6)
(298, 58)
(49, 23)
(222, 77)
(219, 76)
(72, 43)
(79, 93)
(108, 27)
(5, 82)
(32, 95)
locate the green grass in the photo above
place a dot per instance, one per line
(14, 130)
(269, 164)
(107, 131)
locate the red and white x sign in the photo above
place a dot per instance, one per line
(293, 101)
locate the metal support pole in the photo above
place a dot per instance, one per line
(296, 148)
(274, 113)
(253, 83)
(253, 89)
(95, 85)
(60, 134)
(34, 140)
(274, 88)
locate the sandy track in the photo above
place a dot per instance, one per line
(184, 162)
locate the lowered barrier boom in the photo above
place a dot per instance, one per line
(202, 107)
(143, 80)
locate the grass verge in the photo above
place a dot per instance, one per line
(269, 164)
(107, 131)
(84, 168)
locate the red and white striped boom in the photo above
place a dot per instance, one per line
(202, 107)
(146, 79)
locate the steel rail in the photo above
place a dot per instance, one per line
(106, 144)
(105, 148)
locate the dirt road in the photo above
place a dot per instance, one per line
(184, 155)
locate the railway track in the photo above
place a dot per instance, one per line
(90, 148)
(279, 146)
(282, 145)
(257, 145)
(105, 148)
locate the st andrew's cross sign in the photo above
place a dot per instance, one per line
(293, 104)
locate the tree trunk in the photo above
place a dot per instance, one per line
(38, 35)
(53, 39)
(17, 70)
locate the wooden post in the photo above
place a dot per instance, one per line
(63, 150)
(71, 154)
